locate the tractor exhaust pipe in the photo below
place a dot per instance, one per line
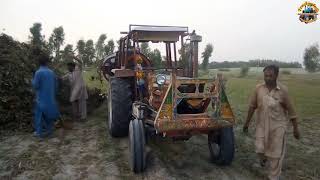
(194, 59)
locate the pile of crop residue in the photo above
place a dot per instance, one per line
(95, 98)
(17, 64)
(16, 96)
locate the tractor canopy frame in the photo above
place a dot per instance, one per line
(169, 35)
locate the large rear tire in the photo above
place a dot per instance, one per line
(119, 106)
(137, 146)
(221, 146)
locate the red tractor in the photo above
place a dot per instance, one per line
(171, 102)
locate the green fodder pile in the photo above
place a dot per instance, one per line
(16, 95)
(17, 98)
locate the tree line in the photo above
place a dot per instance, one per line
(86, 50)
(311, 61)
(253, 63)
(89, 52)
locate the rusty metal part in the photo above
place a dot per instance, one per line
(195, 39)
(157, 93)
(204, 92)
(195, 103)
(175, 55)
(123, 72)
(121, 53)
(126, 54)
(191, 124)
(170, 57)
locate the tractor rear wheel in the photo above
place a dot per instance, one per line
(137, 146)
(119, 106)
(221, 146)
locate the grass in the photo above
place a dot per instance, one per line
(303, 88)
(302, 156)
(224, 69)
(285, 72)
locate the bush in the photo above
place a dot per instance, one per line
(244, 71)
(286, 72)
(311, 58)
(223, 69)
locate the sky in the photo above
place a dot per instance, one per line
(239, 30)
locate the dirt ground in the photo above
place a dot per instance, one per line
(88, 152)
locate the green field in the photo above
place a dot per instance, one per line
(303, 156)
(303, 88)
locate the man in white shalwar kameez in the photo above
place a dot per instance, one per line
(274, 112)
(78, 94)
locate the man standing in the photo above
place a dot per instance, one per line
(46, 109)
(274, 110)
(78, 95)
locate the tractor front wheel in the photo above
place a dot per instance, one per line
(221, 146)
(119, 106)
(137, 146)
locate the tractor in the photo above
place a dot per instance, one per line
(171, 101)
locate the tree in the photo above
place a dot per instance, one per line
(145, 49)
(184, 56)
(311, 58)
(56, 40)
(155, 57)
(89, 53)
(206, 55)
(36, 38)
(109, 48)
(81, 49)
(244, 70)
(67, 53)
(100, 51)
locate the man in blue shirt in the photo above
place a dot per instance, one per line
(46, 109)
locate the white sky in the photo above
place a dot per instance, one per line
(238, 29)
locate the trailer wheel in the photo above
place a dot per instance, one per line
(119, 107)
(137, 146)
(221, 146)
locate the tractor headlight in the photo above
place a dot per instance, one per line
(161, 79)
